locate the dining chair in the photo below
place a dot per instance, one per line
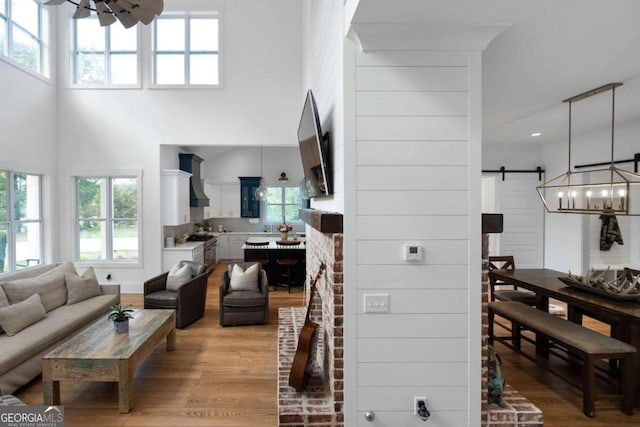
(287, 259)
(507, 262)
(257, 252)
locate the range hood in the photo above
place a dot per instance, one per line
(191, 163)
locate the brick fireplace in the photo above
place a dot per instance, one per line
(322, 402)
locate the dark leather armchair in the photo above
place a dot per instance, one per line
(244, 307)
(188, 301)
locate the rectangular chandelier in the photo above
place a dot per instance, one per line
(607, 191)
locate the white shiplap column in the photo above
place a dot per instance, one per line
(416, 179)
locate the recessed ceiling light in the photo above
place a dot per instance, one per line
(536, 134)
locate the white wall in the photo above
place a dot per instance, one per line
(322, 73)
(111, 130)
(28, 142)
(245, 161)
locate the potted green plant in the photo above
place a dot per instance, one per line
(120, 315)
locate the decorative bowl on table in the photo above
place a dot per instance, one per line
(625, 287)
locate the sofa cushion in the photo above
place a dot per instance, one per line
(18, 316)
(79, 288)
(178, 275)
(3, 298)
(244, 299)
(57, 325)
(244, 280)
(49, 285)
(161, 299)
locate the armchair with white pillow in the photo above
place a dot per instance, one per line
(183, 288)
(244, 295)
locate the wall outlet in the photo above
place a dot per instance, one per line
(416, 399)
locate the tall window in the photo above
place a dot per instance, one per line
(108, 219)
(20, 221)
(186, 50)
(104, 56)
(22, 34)
(282, 204)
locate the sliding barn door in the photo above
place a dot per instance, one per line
(523, 237)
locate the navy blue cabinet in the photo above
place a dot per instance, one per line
(249, 205)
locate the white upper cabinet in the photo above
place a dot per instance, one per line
(230, 200)
(224, 200)
(175, 197)
(213, 193)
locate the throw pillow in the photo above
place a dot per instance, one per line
(16, 317)
(178, 276)
(49, 285)
(80, 288)
(244, 280)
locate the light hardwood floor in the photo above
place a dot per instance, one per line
(215, 377)
(228, 377)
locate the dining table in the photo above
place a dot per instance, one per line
(622, 315)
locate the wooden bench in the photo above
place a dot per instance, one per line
(589, 345)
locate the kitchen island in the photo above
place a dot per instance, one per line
(273, 269)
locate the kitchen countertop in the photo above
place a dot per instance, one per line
(183, 246)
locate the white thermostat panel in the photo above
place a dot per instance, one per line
(412, 252)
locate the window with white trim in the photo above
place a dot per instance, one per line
(22, 35)
(186, 51)
(104, 56)
(108, 219)
(20, 220)
(282, 204)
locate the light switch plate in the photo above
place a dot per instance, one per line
(376, 303)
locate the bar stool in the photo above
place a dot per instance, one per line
(257, 252)
(286, 258)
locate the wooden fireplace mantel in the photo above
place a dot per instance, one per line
(323, 221)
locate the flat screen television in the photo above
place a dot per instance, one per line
(314, 150)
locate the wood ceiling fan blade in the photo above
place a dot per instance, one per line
(154, 7)
(137, 11)
(105, 16)
(82, 11)
(126, 19)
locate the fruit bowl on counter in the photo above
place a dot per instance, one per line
(625, 287)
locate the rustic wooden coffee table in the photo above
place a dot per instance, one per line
(97, 353)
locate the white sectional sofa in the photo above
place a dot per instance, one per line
(68, 303)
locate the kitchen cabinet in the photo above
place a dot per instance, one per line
(230, 245)
(223, 246)
(235, 246)
(230, 200)
(224, 200)
(175, 197)
(190, 251)
(213, 193)
(249, 205)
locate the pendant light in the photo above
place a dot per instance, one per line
(261, 191)
(606, 191)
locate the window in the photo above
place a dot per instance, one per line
(104, 56)
(20, 221)
(282, 204)
(21, 34)
(186, 51)
(108, 219)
